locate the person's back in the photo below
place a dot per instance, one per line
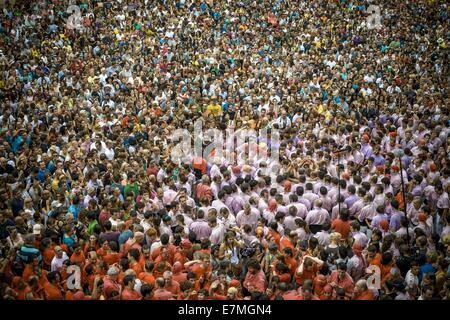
(342, 227)
(130, 294)
(162, 294)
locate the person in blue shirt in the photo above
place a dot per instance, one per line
(430, 266)
(75, 207)
(42, 172)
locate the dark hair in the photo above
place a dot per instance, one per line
(134, 253)
(164, 239)
(342, 266)
(127, 279)
(253, 263)
(146, 289)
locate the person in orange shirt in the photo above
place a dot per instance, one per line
(48, 253)
(133, 260)
(134, 242)
(274, 235)
(161, 293)
(373, 257)
(147, 275)
(36, 292)
(319, 283)
(28, 271)
(165, 246)
(203, 189)
(282, 272)
(52, 288)
(145, 256)
(128, 292)
(21, 288)
(200, 267)
(342, 225)
(289, 259)
(103, 249)
(112, 255)
(178, 274)
(386, 265)
(288, 240)
(362, 292)
(307, 269)
(77, 256)
(171, 285)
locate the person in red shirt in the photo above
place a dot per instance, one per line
(112, 255)
(308, 269)
(133, 259)
(178, 274)
(342, 225)
(274, 235)
(327, 293)
(290, 261)
(128, 292)
(307, 291)
(52, 288)
(362, 292)
(165, 247)
(287, 241)
(171, 285)
(145, 256)
(110, 283)
(147, 275)
(255, 280)
(341, 279)
(160, 292)
(200, 267)
(134, 242)
(21, 288)
(77, 256)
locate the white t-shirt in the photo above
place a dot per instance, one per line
(58, 262)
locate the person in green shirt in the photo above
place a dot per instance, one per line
(132, 185)
(92, 221)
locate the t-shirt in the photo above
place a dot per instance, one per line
(58, 262)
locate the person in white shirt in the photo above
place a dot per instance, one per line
(58, 259)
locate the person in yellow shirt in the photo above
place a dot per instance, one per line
(214, 107)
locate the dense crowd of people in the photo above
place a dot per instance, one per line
(93, 206)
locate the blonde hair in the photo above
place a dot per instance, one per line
(335, 236)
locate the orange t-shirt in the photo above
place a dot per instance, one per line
(285, 243)
(52, 292)
(146, 277)
(180, 277)
(47, 255)
(366, 295)
(27, 272)
(78, 258)
(291, 263)
(129, 294)
(136, 267)
(343, 227)
(275, 236)
(111, 258)
(306, 275)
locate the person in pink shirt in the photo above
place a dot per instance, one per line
(200, 227)
(317, 217)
